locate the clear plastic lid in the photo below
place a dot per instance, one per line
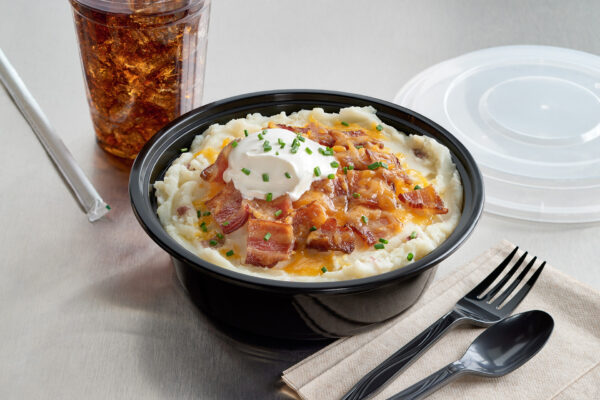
(530, 115)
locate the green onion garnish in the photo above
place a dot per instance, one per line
(309, 151)
(265, 177)
(379, 246)
(287, 175)
(345, 123)
(276, 153)
(234, 144)
(204, 227)
(206, 213)
(183, 150)
(213, 242)
(267, 236)
(364, 219)
(301, 138)
(294, 150)
(334, 164)
(360, 146)
(417, 187)
(379, 127)
(345, 170)
(264, 132)
(246, 132)
(382, 240)
(356, 195)
(229, 253)
(410, 256)
(269, 196)
(278, 213)
(317, 170)
(225, 223)
(220, 235)
(323, 269)
(199, 213)
(375, 165)
(260, 137)
(351, 166)
(331, 176)
(295, 142)
(107, 207)
(413, 235)
(313, 228)
(246, 171)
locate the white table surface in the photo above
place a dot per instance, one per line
(93, 310)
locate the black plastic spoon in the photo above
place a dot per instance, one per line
(500, 349)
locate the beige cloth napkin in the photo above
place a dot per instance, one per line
(568, 367)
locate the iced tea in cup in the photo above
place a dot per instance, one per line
(143, 63)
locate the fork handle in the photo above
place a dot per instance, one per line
(385, 371)
(432, 383)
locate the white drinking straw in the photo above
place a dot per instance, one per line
(85, 192)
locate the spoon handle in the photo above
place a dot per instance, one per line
(430, 384)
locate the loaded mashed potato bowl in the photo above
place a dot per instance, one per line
(311, 196)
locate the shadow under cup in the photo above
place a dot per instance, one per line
(143, 63)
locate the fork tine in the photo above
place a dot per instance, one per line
(477, 290)
(514, 284)
(514, 302)
(505, 278)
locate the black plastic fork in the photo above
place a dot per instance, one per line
(478, 307)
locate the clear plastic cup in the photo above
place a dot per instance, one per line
(143, 63)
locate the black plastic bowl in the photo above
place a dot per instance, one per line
(296, 310)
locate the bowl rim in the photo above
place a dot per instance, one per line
(140, 191)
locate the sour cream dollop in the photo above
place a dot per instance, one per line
(259, 166)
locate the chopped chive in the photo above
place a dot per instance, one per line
(206, 213)
(220, 235)
(375, 165)
(413, 235)
(204, 227)
(417, 187)
(382, 240)
(265, 177)
(267, 236)
(313, 228)
(107, 207)
(351, 166)
(260, 137)
(199, 213)
(294, 150)
(345, 170)
(295, 142)
(264, 132)
(269, 196)
(360, 146)
(246, 132)
(345, 123)
(213, 242)
(183, 150)
(287, 175)
(379, 127)
(266, 143)
(356, 195)
(266, 149)
(225, 223)
(334, 164)
(331, 176)
(229, 253)
(234, 144)
(379, 246)
(276, 153)
(364, 219)
(410, 256)
(317, 171)
(246, 171)
(309, 151)
(301, 138)
(323, 269)
(278, 213)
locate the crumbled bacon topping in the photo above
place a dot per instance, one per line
(330, 236)
(268, 242)
(425, 199)
(214, 172)
(228, 209)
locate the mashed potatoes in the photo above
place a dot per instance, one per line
(182, 197)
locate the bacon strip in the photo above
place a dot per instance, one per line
(278, 246)
(332, 237)
(263, 209)
(425, 199)
(295, 129)
(305, 218)
(214, 172)
(227, 209)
